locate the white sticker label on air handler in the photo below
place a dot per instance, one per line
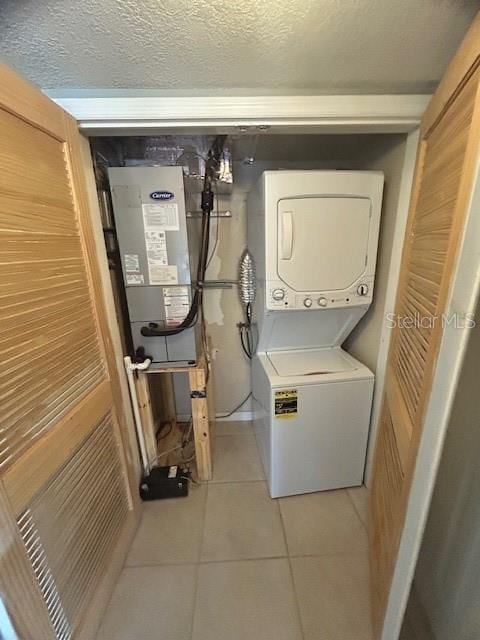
(176, 303)
(161, 216)
(135, 278)
(156, 248)
(132, 262)
(159, 271)
(162, 274)
(156, 238)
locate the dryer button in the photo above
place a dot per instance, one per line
(322, 302)
(278, 294)
(307, 303)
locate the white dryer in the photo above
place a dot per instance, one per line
(313, 236)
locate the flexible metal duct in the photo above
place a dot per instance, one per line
(246, 279)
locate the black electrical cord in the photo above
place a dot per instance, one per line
(248, 340)
(245, 347)
(215, 245)
(248, 312)
(168, 431)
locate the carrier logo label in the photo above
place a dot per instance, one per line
(162, 195)
(286, 403)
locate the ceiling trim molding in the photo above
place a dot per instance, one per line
(381, 113)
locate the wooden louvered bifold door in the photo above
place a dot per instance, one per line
(66, 556)
(64, 476)
(49, 345)
(446, 168)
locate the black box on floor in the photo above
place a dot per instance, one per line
(164, 482)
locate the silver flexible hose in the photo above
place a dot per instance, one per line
(246, 279)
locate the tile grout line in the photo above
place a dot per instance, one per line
(297, 601)
(251, 435)
(197, 564)
(292, 578)
(248, 432)
(259, 457)
(346, 554)
(124, 567)
(356, 508)
(235, 481)
(284, 529)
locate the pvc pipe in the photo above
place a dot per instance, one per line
(130, 368)
(141, 366)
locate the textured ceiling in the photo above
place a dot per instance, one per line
(266, 46)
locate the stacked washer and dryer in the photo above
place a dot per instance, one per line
(313, 236)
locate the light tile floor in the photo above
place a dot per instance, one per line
(229, 563)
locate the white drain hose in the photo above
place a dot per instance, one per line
(130, 367)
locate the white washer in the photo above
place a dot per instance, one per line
(313, 236)
(312, 418)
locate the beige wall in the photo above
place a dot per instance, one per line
(231, 373)
(222, 308)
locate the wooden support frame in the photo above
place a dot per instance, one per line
(201, 426)
(197, 379)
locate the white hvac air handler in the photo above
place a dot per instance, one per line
(313, 236)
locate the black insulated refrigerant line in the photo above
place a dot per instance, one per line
(207, 204)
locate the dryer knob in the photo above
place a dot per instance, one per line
(322, 302)
(278, 294)
(307, 303)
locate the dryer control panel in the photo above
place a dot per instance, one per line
(280, 296)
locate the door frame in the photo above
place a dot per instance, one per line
(86, 165)
(131, 114)
(314, 114)
(381, 114)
